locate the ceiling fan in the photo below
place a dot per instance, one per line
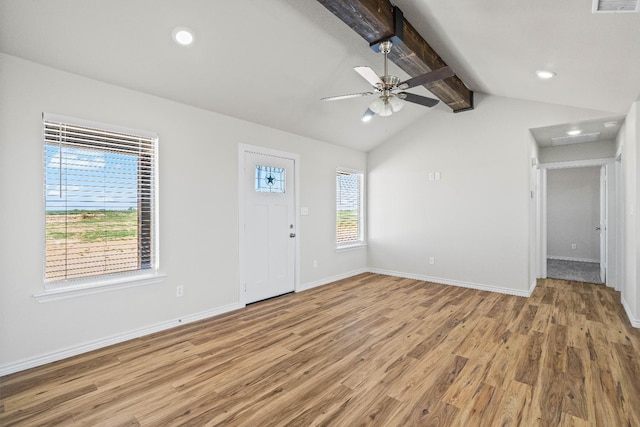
(386, 88)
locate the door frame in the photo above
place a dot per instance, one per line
(604, 236)
(620, 221)
(611, 256)
(243, 149)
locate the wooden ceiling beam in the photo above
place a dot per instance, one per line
(374, 21)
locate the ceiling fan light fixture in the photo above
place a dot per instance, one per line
(377, 105)
(386, 109)
(395, 103)
(368, 115)
(387, 100)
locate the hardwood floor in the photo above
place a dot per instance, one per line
(370, 350)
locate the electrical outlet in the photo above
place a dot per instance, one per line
(574, 246)
(179, 291)
(432, 260)
(315, 264)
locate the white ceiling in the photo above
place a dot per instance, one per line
(557, 134)
(270, 61)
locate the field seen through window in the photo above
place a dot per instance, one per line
(82, 243)
(347, 226)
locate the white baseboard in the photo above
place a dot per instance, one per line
(327, 280)
(566, 258)
(116, 339)
(532, 287)
(480, 287)
(634, 322)
(94, 345)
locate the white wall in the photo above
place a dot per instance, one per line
(629, 143)
(585, 151)
(633, 257)
(198, 213)
(475, 221)
(534, 211)
(573, 213)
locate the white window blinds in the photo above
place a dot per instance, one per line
(349, 227)
(99, 199)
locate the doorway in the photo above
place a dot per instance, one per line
(267, 223)
(577, 239)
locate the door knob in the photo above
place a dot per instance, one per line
(292, 235)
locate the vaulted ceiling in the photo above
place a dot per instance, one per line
(271, 61)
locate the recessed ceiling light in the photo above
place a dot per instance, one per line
(574, 132)
(610, 124)
(183, 36)
(545, 74)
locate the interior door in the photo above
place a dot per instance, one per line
(269, 226)
(603, 223)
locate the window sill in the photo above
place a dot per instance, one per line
(99, 286)
(351, 247)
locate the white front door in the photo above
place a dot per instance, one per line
(268, 246)
(603, 223)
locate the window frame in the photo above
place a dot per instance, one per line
(148, 270)
(361, 240)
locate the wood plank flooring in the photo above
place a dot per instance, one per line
(370, 350)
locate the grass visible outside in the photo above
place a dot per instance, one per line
(90, 226)
(83, 243)
(347, 226)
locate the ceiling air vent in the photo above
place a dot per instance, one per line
(608, 6)
(577, 139)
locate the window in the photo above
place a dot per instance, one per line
(99, 200)
(349, 219)
(270, 179)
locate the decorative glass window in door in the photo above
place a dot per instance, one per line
(270, 179)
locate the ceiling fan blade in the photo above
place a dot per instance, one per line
(369, 75)
(418, 99)
(431, 76)
(347, 96)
